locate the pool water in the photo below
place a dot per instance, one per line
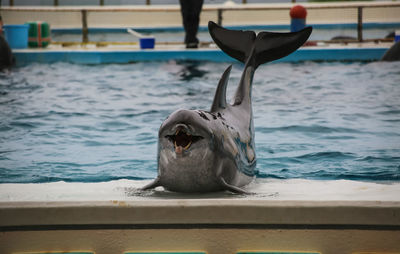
(93, 123)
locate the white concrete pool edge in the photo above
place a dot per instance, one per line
(261, 189)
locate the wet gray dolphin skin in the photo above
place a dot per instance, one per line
(392, 54)
(6, 57)
(206, 151)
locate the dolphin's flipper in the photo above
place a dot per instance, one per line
(153, 184)
(220, 94)
(232, 188)
(265, 47)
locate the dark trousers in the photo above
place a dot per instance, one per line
(190, 10)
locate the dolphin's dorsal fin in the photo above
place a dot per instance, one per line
(267, 46)
(220, 95)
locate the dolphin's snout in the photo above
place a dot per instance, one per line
(181, 127)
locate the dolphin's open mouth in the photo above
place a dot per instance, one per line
(182, 139)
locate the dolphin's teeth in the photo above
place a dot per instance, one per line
(182, 140)
(185, 148)
(188, 145)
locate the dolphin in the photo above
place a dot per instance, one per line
(206, 151)
(392, 54)
(6, 57)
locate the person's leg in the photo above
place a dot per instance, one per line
(197, 6)
(191, 10)
(185, 9)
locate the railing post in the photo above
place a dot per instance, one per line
(11, 2)
(244, 1)
(219, 21)
(101, 2)
(148, 2)
(85, 30)
(360, 23)
(55, 2)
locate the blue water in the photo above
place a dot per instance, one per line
(92, 123)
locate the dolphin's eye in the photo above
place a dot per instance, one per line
(183, 139)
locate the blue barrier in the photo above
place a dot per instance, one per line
(127, 56)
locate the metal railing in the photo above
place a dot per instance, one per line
(101, 2)
(219, 9)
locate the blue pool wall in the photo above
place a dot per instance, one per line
(127, 56)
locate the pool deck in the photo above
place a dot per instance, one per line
(168, 18)
(91, 54)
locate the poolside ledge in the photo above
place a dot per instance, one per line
(207, 225)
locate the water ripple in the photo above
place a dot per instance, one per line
(308, 129)
(327, 155)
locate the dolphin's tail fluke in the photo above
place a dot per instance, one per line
(261, 48)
